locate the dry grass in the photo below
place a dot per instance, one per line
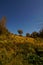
(23, 39)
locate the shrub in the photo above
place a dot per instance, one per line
(41, 33)
(34, 34)
(27, 35)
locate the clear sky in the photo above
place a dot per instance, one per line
(22, 14)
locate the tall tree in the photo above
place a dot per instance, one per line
(2, 25)
(3, 21)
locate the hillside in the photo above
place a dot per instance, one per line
(21, 39)
(20, 50)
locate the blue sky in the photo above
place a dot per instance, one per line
(22, 14)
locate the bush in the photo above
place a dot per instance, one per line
(34, 34)
(28, 35)
(41, 33)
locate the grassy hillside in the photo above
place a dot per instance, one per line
(20, 50)
(17, 50)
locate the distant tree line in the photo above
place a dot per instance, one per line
(33, 34)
